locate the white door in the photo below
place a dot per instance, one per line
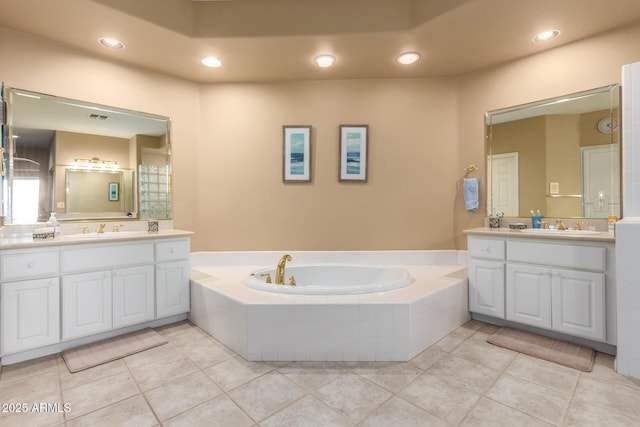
(133, 296)
(486, 287)
(172, 288)
(30, 314)
(503, 195)
(528, 292)
(579, 303)
(600, 181)
(86, 304)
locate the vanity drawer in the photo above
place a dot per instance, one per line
(170, 250)
(561, 255)
(479, 247)
(19, 265)
(82, 258)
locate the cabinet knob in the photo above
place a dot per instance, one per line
(159, 267)
(31, 264)
(485, 249)
(106, 274)
(173, 250)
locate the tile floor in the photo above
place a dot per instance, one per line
(195, 381)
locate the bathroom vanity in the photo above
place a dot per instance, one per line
(64, 292)
(557, 284)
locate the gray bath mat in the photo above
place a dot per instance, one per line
(97, 353)
(560, 352)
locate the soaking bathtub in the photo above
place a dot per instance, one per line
(268, 322)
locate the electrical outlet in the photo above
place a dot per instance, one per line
(59, 205)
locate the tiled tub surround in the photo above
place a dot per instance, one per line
(386, 326)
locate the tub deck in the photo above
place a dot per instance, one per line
(394, 325)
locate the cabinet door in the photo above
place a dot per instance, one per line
(528, 291)
(578, 303)
(86, 304)
(486, 287)
(172, 288)
(133, 296)
(30, 314)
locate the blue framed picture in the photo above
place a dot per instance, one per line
(114, 191)
(297, 154)
(354, 149)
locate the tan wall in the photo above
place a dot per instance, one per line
(406, 202)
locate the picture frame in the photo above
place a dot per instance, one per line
(296, 162)
(114, 191)
(354, 153)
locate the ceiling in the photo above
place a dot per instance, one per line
(276, 40)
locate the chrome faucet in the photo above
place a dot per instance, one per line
(280, 269)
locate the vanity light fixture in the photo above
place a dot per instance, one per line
(95, 163)
(408, 58)
(211, 62)
(111, 43)
(324, 60)
(546, 36)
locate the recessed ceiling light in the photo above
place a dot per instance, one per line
(408, 58)
(546, 36)
(211, 61)
(324, 61)
(111, 43)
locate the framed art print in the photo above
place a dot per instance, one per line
(353, 152)
(297, 154)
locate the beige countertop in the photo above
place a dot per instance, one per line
(546, 234)
(78, 239)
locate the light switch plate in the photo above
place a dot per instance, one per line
(554, 188)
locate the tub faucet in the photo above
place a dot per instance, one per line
(280, 269)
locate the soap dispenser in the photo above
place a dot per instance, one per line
(53, 223)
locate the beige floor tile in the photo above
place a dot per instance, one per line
(218, 412)
(159, 367)
(206, 352)
(236, 371)
(132, 412)
(98, 394)
(540, 402)
(175, 328)
(583, 414)
(393, 376)
(163, 353)
(488, 413)
(477, 350)
(440, 398)
(428, 358)
(182, 394)
(399, 412)
(27, 390)
(30, 368)
(70, 380)
(312, 375)
(462, 373)
(548, 374)
(603, 369)
(453, 340)
(352, 396)
(266, 395)
(609, 396)
(307, 412)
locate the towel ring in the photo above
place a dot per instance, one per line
(471, 168)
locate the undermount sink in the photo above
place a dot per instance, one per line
(559, 232)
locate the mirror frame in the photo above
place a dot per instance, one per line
(9, 123)
(615, 137)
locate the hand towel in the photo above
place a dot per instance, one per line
(470, 191)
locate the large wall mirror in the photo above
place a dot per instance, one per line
(84, 161)
(560, 156)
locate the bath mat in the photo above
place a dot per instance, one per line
(553, 350)
(97, 353)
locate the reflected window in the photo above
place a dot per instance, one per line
(26, 193)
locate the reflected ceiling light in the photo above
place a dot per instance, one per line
(546, 36)
(324, 61)
(211, 61)
(408, 58)
(111, 43)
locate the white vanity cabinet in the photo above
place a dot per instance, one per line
(29, 299)
(567, 286)
(486, 276)
(106, 286)
(173, 269)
